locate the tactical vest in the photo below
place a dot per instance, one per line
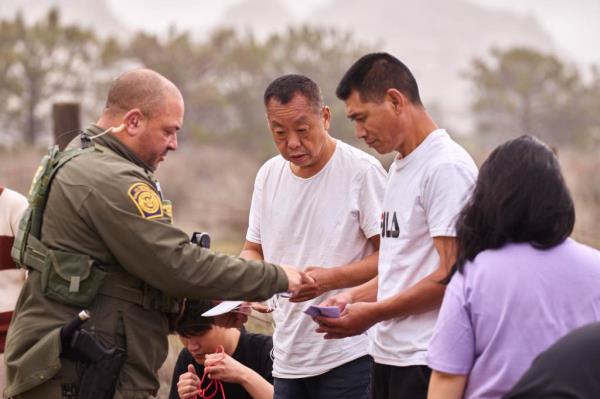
(71, 278)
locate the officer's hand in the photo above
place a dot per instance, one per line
(354, 320)
(296, 279)
(322, 282)
(187, 387)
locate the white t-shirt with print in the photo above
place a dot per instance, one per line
(324, 220)
(425, 192)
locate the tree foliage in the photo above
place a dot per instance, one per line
(223, 78)
(523, 91)
(39, 62)
(223, 75)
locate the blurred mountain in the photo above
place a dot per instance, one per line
(437, 39)
(261, 17)
(91, 14)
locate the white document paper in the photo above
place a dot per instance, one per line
(222, 308)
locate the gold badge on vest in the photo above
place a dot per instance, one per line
(146, 200)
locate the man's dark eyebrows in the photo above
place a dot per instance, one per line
(352, 116)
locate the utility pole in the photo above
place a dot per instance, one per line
(66, 121)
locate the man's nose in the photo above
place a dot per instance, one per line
(293, 141)
(359, 131)
(173, 143)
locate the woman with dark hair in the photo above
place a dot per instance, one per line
(519, 283)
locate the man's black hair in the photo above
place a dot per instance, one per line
(374, 74)
(284, 88)
(520, 196)
(190, 321)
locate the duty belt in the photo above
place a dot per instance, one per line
(119, 285)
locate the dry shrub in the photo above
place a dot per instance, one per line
(17, 167)
(211, 189)
(581, 173)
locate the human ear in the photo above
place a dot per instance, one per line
(326, 115)
(133, 121)
(397, 100)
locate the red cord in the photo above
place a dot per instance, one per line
(215, 384)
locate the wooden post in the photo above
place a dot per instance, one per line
(65, 117)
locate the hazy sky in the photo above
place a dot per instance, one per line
(159, 14)
(574, 24)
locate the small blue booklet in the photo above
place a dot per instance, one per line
(325, 311)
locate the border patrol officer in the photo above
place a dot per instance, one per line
(97, 235)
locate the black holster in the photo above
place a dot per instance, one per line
(103, 366)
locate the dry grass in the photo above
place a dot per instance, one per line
(211, 188)
(581, 172)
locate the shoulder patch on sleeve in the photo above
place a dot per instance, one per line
(146, 200)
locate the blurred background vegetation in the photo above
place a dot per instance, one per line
(510, 90)
(222, 76)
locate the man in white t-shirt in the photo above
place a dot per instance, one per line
(12, 206)
(428, 183)
(316, 205)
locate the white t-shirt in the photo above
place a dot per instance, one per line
(12, 206)
(425, 192)
(325, 221)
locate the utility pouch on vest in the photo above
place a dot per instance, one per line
(20, 243)
(31, 221)
(71, 279)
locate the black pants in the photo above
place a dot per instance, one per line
(391, 382)
(348, 381)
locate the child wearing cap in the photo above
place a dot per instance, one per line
(244, 367)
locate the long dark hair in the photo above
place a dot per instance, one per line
(520, 196)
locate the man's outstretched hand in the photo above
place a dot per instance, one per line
(340, 300)
(322, 280)
(296, 279)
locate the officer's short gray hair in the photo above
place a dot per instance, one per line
(139, 88)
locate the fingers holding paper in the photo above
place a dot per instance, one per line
(355, 319)
(340, 300)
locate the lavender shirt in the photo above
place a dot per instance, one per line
(509, 306)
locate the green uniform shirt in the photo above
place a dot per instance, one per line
(105, 204)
